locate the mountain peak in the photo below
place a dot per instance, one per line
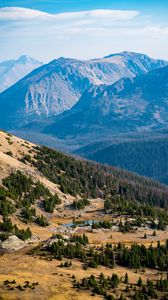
(26, 59)
(12, 71)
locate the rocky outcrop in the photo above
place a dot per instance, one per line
(13, 243)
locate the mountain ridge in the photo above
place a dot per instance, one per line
(128, 105)
(58, 85)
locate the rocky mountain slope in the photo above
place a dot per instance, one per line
(130, 105)
(57, 86)
(12, 71)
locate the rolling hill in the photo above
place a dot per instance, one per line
(70, 177)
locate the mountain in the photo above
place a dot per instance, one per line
(119, 124)
(129, 105)
(12, 71)
(57, 86)
(146, 155)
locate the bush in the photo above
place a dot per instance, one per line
(42, 221)
(51, 202)
(80, 204)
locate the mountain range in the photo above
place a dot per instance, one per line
(57, 86)
(113, 110)
(129, 105)
(13, 70)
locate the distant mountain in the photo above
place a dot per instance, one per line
(129, 105)
(146, 155)
(57, 86)
(12, 71)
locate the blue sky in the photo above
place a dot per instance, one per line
(83, 29)
(53, 6)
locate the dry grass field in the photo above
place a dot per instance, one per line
(55, 283)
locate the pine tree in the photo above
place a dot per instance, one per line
(126, 280)
(140, 283)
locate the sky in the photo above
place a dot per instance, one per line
(48, 29)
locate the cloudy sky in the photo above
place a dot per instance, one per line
(48, 29)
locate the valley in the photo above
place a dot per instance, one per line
(64, 220)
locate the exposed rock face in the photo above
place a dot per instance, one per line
(13, 243)
(57, 86)
(130, 105)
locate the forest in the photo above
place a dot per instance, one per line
(93, 180)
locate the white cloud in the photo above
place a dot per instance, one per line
(17, 21)
(20, 14)
(81, 34)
